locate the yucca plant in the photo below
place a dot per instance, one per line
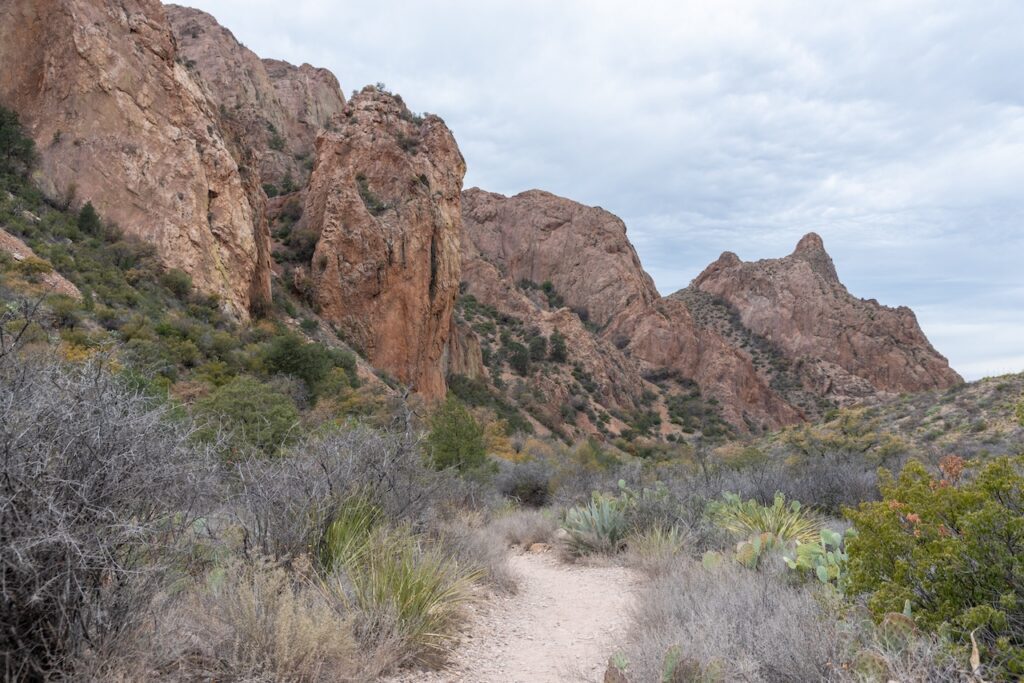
(597, 527)
(786, 522)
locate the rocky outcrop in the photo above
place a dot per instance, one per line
(275, 108)
(51, 281)
(384, 199)
(772, 342)
(843, 347)
(119, 122)
(582, 251)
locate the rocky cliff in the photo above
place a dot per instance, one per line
(767, 344)
(276, 108)
(842, 347)
(384, 204)
(119, 122)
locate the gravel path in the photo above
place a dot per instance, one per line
(562, 625)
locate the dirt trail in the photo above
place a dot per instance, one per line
(562, 625)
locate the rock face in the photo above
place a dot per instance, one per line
(772, 342)
(845, 347)
(384, 198)
(276, 108)
(581, 250)
(118, 122)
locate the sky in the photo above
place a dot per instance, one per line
(893, 128)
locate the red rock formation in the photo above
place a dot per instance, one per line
(384, 198)
(276, 108)
(846, 347)
(117, 121)
(583, 251)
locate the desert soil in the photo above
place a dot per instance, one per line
(563, 624)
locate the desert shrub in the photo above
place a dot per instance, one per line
(523, 528)
(729, 624)
(528, 482)
(98, 485)
(598, 527)
(951, 546)
(254, 416)
(456, 439)
(257, 621)
(1020, 412)
(559, 352)
(785, 522)
(178, 282)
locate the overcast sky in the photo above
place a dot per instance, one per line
(894, 128)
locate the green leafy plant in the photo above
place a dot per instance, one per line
(950, 546)
(787, 522)
(597, 527)
(253, 415)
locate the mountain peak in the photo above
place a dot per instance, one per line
(811, 242)
(811, 249)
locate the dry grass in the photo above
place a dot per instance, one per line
(731, 623)
(261, 622)
(523, 528)
(655, 551)
(478, 547)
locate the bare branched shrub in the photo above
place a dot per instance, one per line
(287, 502)
(97, 483)
(733, 623)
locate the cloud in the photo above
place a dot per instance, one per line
(895, 128)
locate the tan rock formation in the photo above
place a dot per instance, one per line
(845, 347)
(384, 198)
(276, 108)
(119, 122)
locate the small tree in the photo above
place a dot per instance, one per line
(17, 151)
(89, 220)
(456, 439)
(559, 351)
(538, 348)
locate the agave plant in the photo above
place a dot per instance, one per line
(598, 526)
(786, 522)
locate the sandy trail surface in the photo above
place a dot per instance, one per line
(563, 624)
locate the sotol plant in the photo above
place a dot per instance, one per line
(598, 526)
(786, 522)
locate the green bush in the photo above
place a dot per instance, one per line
(178, 282)
(254, 415)
(309, 361)
(953, 549)
(1020, 412)
(456, 439)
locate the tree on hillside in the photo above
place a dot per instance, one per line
(456, 439)
(17, 151)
